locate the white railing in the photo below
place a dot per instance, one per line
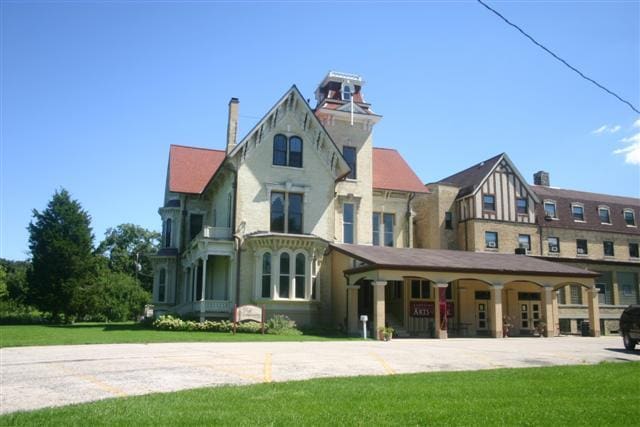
(217, 233)
(215, 306)
(218, 306)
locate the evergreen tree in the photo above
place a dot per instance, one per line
(61, 245)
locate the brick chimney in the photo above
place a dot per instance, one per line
(232, 124)
(541, 178)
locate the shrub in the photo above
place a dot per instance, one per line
(249, 327)
(14, 313)
(171, 323)
(282, 325)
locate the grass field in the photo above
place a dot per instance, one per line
(605, 394)
(111, 333)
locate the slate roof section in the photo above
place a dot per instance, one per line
(468, 179)
(382, 257)
(591, 202)
(391, 172)
(191, 168)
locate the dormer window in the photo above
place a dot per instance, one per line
(603, 213)
(347, 92)
(550, 209)
(629, 217)
(577, 212)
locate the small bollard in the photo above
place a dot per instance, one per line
(364, 319)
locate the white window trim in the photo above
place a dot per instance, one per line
(633, 214)
(555, 209)
(354, 223)
(603, 207)
(275, 275)
(584, 214)
(351, 91)
(287, 189)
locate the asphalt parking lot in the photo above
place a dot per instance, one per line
(36, 377)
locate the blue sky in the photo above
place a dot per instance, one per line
(93, 93)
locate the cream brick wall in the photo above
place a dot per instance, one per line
(430, 231)
(507, 236)
(595, 245)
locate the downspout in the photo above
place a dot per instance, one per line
(409, 223)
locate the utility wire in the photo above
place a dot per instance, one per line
(558, 58)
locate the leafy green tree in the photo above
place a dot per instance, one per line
(4, 293)
(61, 245)
(17, 287)
(127, 247)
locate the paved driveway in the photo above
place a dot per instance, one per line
(36, 377)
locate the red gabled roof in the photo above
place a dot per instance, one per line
(191, 168)
(391, 172)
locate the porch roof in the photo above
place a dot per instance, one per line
(382, 257)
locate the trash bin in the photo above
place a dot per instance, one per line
(584, 328)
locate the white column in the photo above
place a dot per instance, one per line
(378, 306)
(594, 313)
(496, 310)
(440, 332)
(204, 277)
(547, 308)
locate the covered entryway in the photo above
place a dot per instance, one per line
(464, 293)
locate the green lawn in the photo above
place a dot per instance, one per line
(111, 333)
(605, 394)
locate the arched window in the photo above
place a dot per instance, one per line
(280, 150)
(167, 234)
(346, 92)
(295, 152)
(266, 275)
(283, 288)
(300, 276)
(162, 287)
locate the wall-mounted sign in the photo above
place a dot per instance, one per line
(427, 309)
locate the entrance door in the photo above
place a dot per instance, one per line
(482, 322)
(529, 316)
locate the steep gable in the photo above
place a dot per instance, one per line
(320, 141)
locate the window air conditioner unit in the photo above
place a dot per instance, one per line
(491, 244)
(554, 249)
(580, 251)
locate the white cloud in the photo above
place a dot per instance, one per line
(631, 153)
(633, 138)
(636, 124)
(615, 128)
(600, 129)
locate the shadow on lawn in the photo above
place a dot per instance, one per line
(104, 326)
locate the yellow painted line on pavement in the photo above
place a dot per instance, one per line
(267, 368)
(95, 381)
(388, 369)
(215, 367)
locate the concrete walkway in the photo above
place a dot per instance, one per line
(36, 377)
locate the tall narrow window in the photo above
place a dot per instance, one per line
(576, 294)
(562, 299)
(347, 223)
(629, 218)
(522, 206)
(195, 225)
(277, 212)
(266, 275)
(349, 154)
(347, 92)
(280, 150)
(577, 212)
(162, 287)
(376, 228)
(603, 213)
(167, 233)
(283, 288)
(550, 209)
(489, 202)
(295, 213)
(633, 250)
(608, 248)
(300, 275)
(314, 280)
(388, 221)
(448, 220)
(295, 152)
(229, 209)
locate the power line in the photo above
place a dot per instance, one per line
(559, 58)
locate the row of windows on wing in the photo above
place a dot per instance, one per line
(582, 248)
(382, 226)
(284, 276)
(578, 213)
(489, 204)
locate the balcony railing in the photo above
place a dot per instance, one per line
(216, 233)
(210, 306)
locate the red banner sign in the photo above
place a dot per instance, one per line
(427, 309)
